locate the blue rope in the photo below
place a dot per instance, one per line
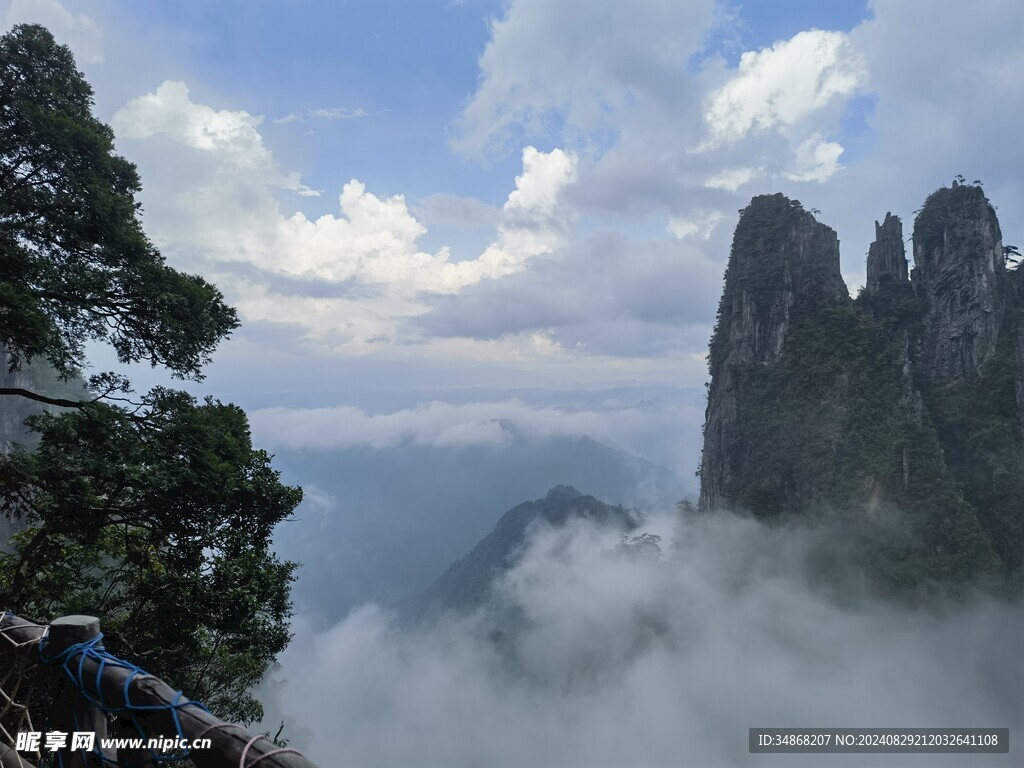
(93, 649)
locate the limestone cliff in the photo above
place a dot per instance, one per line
(959, 274)
(887, 258)
(908, 400)
(783, 262)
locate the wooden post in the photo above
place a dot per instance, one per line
(229, 742)
(73, 713)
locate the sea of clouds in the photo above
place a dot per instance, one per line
(587, 656)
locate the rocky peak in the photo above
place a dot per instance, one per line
(887, 258)
(467, 582)
(958, 273)
(906, 404)
(782, 261)
(780, 254)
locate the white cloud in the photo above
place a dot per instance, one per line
(538, 187)
(326, 113)
(338, 113)
(591, 658)
(220, 208)
(80, 33)
(702, 225)
(730, 179)
(446, 424)
(577, 61)
(785, 85)
(816, 160)
(374, 241)
(232, 136)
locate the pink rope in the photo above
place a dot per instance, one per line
(245, 750)
(265, 755)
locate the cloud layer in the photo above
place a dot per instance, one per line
(613, 661)
(664, 431)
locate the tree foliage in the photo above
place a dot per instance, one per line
(153, 512)
(76, 264)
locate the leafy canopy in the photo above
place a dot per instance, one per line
(76, 264)
(153, 512)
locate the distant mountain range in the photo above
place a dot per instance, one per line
(378, 525)
(466, 584)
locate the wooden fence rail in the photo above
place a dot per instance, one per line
(154, 704)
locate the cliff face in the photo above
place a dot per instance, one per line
(783, 262)
(959, 273)
(887, 258)
(908, 400)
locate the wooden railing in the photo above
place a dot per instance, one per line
(101, 688)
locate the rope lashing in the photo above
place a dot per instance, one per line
(72, 662)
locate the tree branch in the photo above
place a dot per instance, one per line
(58, 401)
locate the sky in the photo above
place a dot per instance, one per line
(409, 199)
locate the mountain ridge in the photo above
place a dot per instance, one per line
(467, 582)
(907, 401)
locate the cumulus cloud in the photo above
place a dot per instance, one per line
(374, 244)
(774, 110)
(816, 160)
(730, 179)
(589, 658)
(231, 137)
(614, 83)
(224, 212)
(531, 226)
(577, 64)
(780, 87)
(81, 33)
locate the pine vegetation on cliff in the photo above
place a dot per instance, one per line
(898, 413)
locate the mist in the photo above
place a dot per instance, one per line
(588, 656)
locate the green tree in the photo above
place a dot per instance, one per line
(76, 264)
(153, 512)
(646, 546)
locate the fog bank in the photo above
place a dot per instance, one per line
(590, 657)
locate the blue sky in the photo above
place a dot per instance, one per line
(412, 201)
